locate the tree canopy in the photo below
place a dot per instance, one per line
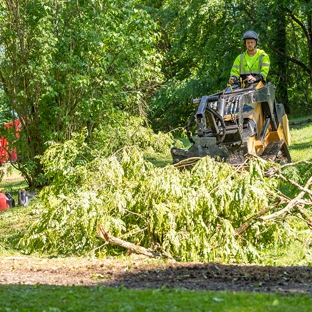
(68, 65)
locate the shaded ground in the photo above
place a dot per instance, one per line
(139, 273)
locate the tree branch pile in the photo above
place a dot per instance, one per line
(298, 206)
(294, 205)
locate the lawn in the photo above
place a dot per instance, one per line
(54, 298)
(301, 145)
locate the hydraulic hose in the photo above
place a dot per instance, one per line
(218, 116)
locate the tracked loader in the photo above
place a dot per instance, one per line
(237, 122)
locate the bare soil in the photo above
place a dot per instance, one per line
(139, 273)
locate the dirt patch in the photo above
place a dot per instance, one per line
(138, 273)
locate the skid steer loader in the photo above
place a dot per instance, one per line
(236, 122)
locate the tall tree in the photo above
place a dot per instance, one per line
(300, 13)
(281, 62)
(287, 26)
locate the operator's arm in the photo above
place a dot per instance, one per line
(265, 66)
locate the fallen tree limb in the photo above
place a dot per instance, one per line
(245, 226)
(290, 205)
(298, 186)
(298, 203)
(132, 247)
(296, 163)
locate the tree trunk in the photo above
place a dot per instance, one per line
(281, 62)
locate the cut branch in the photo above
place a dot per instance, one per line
(292, 59)
(244, 227)
(290, 205)
(298, 186)
(132, 247)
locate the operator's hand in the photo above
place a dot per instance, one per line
(251, 79)
(232, 79)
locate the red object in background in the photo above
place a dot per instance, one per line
(4, 204)
(3, 151)
(4, 155)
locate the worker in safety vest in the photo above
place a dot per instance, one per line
(253, 65)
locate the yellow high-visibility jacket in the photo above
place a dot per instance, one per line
(245, 65)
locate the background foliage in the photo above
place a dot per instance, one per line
(201, 39)
(70, 65)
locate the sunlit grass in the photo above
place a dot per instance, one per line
(75, 298)
(301, 139)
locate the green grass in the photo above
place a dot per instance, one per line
(301, 134)
(12, 225)
(57, 298)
